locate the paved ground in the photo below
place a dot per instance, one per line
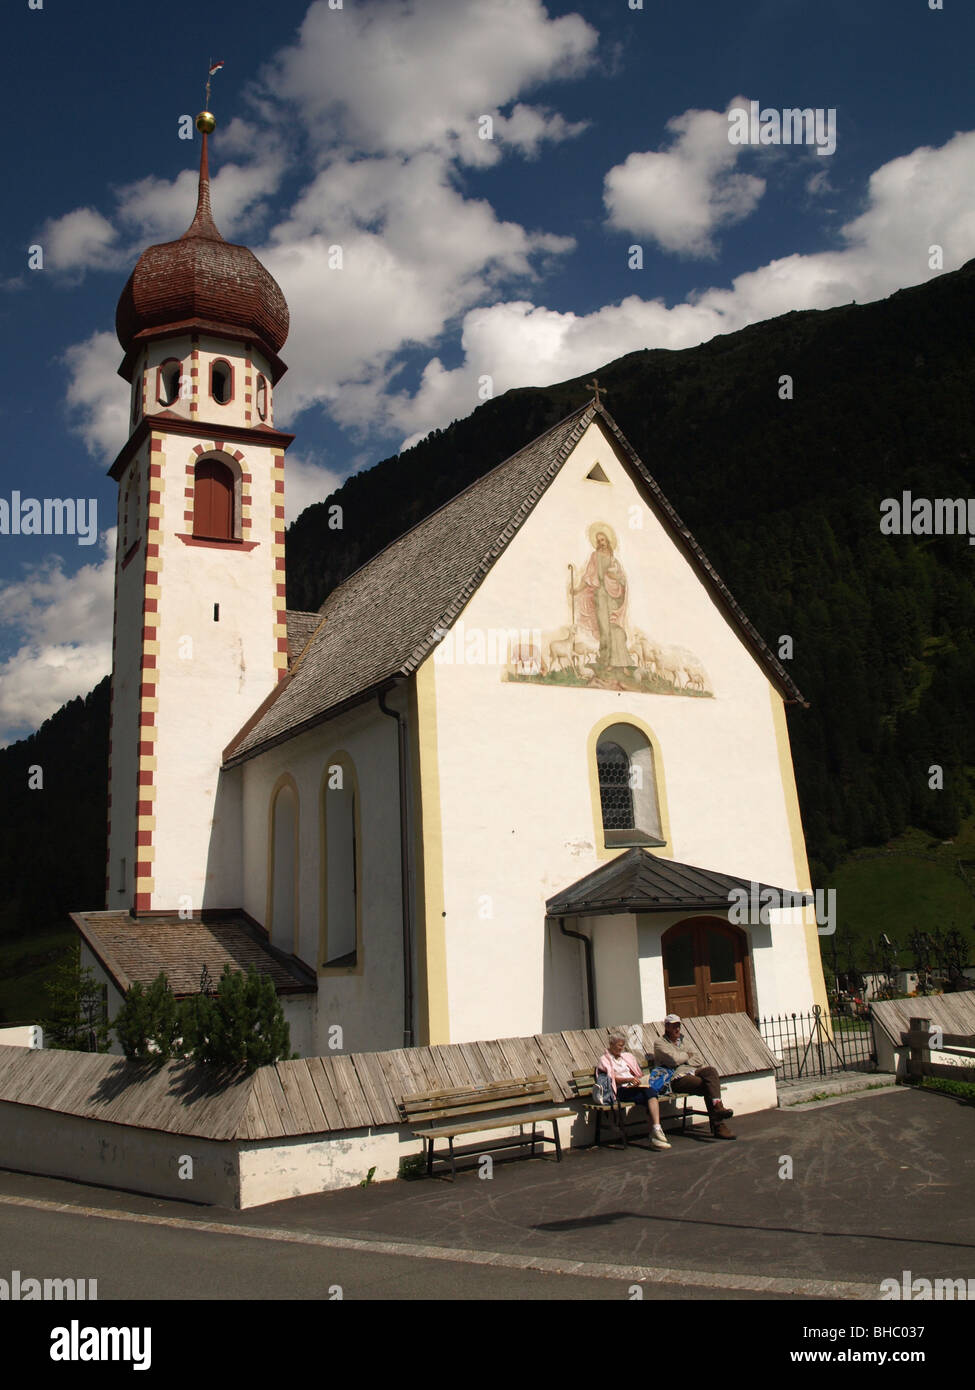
(879, 1185)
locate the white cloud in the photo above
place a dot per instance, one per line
(306, 482)
(80, 240)
(415, 254)
(63, 623)
(681, 195)
(152, 209)
(397, 77)
(162, 209)
(98, 399)
(912, 203)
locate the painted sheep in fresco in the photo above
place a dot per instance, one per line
(560, 652)
(674, 666)
(585, 654)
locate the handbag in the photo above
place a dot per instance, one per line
(659, 1080)
(602, 1089)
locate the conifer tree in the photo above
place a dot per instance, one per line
(147, 1025)
(241, 1025)
(77, 1018)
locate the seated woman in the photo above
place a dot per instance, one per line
(624, 1073)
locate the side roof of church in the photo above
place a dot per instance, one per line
(386, 618)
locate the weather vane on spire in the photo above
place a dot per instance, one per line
(206, 122)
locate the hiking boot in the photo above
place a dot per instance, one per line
(721, 1112)
(721, 1131)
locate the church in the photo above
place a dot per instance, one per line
(505, 781)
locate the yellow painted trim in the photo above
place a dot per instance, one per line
(799, 860)
(433, 1011)
(599, 839)
(284, 781)
(343, 760)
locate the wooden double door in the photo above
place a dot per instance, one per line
(706, 968)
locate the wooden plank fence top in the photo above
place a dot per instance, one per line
(343, 1092)
(952, 1013)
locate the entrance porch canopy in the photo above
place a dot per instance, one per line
(638, 881)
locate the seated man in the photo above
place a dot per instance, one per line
(623, 1067)
(691, 1075)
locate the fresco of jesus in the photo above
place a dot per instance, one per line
(603, 594)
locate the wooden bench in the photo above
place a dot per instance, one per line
(472, 1109)
(582, 1084)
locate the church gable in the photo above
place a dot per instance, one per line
(386, 619)
(603, 588)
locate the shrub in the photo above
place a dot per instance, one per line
(147, 1025)
(241, 1025)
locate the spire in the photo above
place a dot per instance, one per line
(203, 224)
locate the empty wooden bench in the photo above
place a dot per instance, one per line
(582, 1084)
(472, 1109)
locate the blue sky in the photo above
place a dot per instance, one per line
(463, 257)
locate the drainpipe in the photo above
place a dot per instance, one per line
(404, 874)
(590, 979)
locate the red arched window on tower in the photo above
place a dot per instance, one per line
(213, 501)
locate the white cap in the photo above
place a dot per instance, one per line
(672, 1018)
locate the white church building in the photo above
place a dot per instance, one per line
(502, 783)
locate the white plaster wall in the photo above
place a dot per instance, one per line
(617, 979)
(248, 1174)
(299, 1013)
(365, 1000)
(24, 1035)
(206, 698)
(34, 1140)
(518, 818)
(276, 1169)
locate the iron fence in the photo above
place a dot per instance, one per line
(818, 1044)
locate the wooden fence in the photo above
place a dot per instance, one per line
(922, 1039)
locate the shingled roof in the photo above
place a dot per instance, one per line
(383, 620)
(300, 628)
(638, 881)
(136, 949)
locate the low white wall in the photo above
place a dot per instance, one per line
(253, 1173)
(141, 1160)
(24, 1035)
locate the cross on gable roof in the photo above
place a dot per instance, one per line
(385, 619)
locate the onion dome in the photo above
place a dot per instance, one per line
(202, 283)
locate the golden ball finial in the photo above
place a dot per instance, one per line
(206, 122)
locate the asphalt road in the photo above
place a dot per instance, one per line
(133, 1260)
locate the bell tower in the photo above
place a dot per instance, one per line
(200, 635)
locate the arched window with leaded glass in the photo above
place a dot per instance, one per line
(628, 794)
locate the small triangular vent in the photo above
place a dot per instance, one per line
(597, 475)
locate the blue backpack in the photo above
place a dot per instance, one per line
(659, 1080)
